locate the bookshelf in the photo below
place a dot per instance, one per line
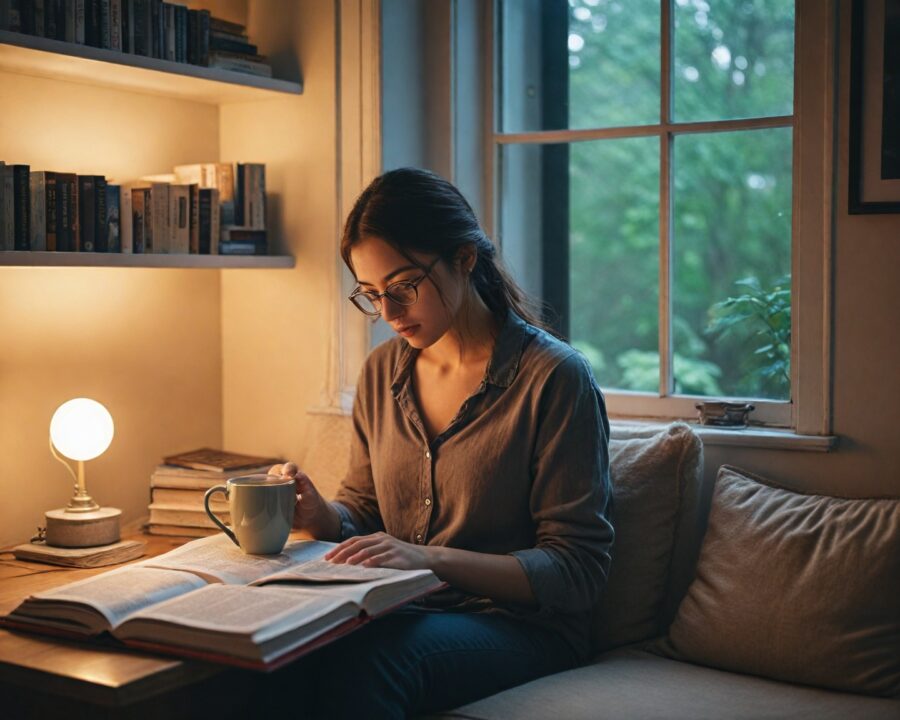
(28, 258)
(42, 57)
(33, 56)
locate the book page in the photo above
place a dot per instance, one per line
(322, 571)
(257, 613)
(217, 559)
(116, 594)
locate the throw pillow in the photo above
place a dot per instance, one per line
(655, 474)
(794, 587)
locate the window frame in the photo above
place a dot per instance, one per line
(809, 409)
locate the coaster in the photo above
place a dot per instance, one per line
(88, 557)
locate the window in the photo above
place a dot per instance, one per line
(669, 163)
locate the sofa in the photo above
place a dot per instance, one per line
(731, 599)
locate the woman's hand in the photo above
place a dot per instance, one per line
(382, 550)
(312, 512)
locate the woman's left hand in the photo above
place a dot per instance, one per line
(381, 550)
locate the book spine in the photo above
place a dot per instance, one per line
(239, 193)
(258, 208)
(214, 223)
(22, 199)
(240, 65)
(55, 20)
(39, 10)
(169, 20)
(101, 237)
(181, 33)
(192, 36)
(194, 245)
(62, 214)
(126, 220)
(115, 25)
(38, 192)
(113, 224)
(15, 16)
(159, 212)
(86, 213)
(51, 206)
(204, 216)
(203, 37)
(235, 46)
(26, 16)
(137, 220)
(128, 26)
(7, 207)
(80, 19)
(142, 44)
(92, 23)
(103, 13)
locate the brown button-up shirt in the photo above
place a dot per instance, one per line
(523, 469)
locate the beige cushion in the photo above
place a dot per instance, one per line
(627, 684)
(800, 588)
(655, 473)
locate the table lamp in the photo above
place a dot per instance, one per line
(81, 429)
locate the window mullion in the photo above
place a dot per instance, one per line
(666, 380)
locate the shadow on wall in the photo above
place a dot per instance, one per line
(328, 456)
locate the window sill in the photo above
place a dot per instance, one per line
(751, 437)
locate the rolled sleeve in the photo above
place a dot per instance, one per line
(571, 498)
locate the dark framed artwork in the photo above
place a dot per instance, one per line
(875, 107)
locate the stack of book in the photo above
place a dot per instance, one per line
(210, 208)
(152, 28)
(178, 485)
(230, 49)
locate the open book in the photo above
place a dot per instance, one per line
(209, 600)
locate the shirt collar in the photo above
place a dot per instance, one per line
(504, 362)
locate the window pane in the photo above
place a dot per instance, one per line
(733, 59)
(579, 64)
(732, 261)
(614, 264)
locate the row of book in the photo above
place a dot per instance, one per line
(202, 209)
(151, 28)
(178, 485)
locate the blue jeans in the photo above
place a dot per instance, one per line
(412, 662)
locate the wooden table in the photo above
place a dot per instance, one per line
(47, 677)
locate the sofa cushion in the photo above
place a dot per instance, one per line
(626, 684)
(795, 587)
(655, 472)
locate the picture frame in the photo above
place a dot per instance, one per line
(874, 158)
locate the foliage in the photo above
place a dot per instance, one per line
(769, 310)
(731, 201)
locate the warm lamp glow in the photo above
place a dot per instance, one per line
(81, 429)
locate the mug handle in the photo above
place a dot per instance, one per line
(212, 516)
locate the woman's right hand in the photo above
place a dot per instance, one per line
(312, 512)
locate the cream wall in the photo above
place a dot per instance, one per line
(276, 325)
(144, 342)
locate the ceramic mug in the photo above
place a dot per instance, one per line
(262, 510)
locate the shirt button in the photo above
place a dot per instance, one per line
(428, 454)
(419, 537)
(427, 502)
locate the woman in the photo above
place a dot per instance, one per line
(479, 451)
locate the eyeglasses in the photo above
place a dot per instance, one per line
(404, 292)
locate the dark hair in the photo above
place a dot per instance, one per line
(415, 210)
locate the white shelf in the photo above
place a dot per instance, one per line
(26, 258)
(58, 60)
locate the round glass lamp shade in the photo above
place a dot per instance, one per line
(81, 429)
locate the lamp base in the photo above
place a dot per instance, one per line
(82, 529)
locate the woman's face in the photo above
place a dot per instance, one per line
(377, 265)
